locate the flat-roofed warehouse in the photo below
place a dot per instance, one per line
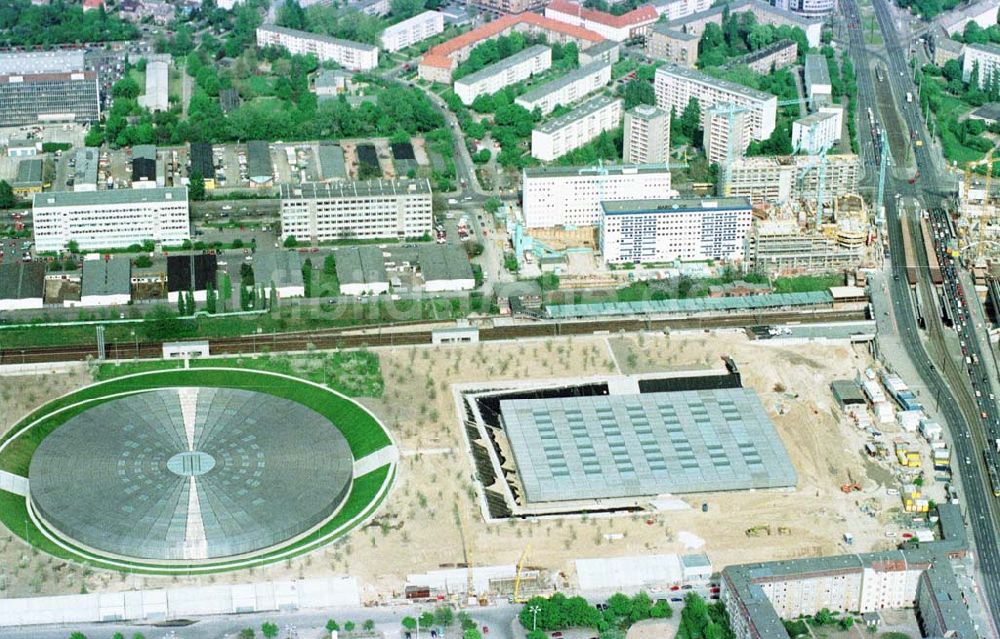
(22, 285)
(620, 446)
(445, 267)
(203, 163)
(190, 273)
(106, 282)
(361, 271)
(280, 269)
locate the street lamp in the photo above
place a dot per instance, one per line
(534, 617)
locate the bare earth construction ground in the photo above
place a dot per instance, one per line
(417, 529)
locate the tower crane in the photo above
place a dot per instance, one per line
(517, 598)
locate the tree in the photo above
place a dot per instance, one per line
(690, 120)
(639, 92)
(211, 300)
(349, 626)
(409, 623)
(290, 242)
(426, 619)
(444, 616)
(846, 623)
(332, 626)
(247, 633)
(406, 8)
(292, 16)
(118, 635)
(492, 205)
(77, 635)
(368, 625)
(269, 630)
(7, 198)
(197, 185)
(73, 247)
(126, 89)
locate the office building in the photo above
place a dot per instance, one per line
(558, 137)
(760, 595)
(819, 89)
(984, 58)
(492, 78)
(157, 95)
(726, 133)
(777, 180)
(437, 64)
(47, 88)
(777, 55)
(815, 8)
(647, 135)
(572, 196)
(350, 55)
(664, 230)
(202, 162)
(85, 172)
(631, 25)
(816, 131)
(673, 45)
(568, 89)
(106, 282)
(111, 219)
(675, 86)
(314, 212)
(413, 30)
(29, 177)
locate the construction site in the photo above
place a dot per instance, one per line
(977, 222)
(437, 523)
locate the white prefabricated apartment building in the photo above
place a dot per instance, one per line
(558, 137)
(413, 30)
(568, 89)
(111, 219)
(355, 56)
(356, 210)
(488, 80)
(572, 195)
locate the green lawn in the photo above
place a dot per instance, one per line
(353, 373)
(807, 283)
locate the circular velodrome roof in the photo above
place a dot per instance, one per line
(187, 474)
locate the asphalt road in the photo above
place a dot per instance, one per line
(969, 442)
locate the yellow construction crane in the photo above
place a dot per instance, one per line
(517, 578)
(467, 550)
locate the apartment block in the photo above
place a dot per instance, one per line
(558, 137)
(817, 131)
(985, 58)
(677, 9)
(634, 24)
(726, 133)
(647, 135)
(819, 89)
(111, 219)
(776, 55)
(412, 30)
(316, 212)
(673, 45)
(765, 12)
(759, 595)
(572, 196)
(663, 230)
(568, 89)
(608, 51)
(507, 7)
(437, 64)
(675, 86)
(777, 180)
(47, 88)
(983, 13)
(490, 79)
(350, 55)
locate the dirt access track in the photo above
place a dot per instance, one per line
(417, 528)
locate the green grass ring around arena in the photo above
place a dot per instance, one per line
(367, 438)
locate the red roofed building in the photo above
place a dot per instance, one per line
(90, 5)
(439, 61)
(634, 24)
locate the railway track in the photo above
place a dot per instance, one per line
(300, 341)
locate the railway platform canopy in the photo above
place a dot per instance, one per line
(693, 305)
